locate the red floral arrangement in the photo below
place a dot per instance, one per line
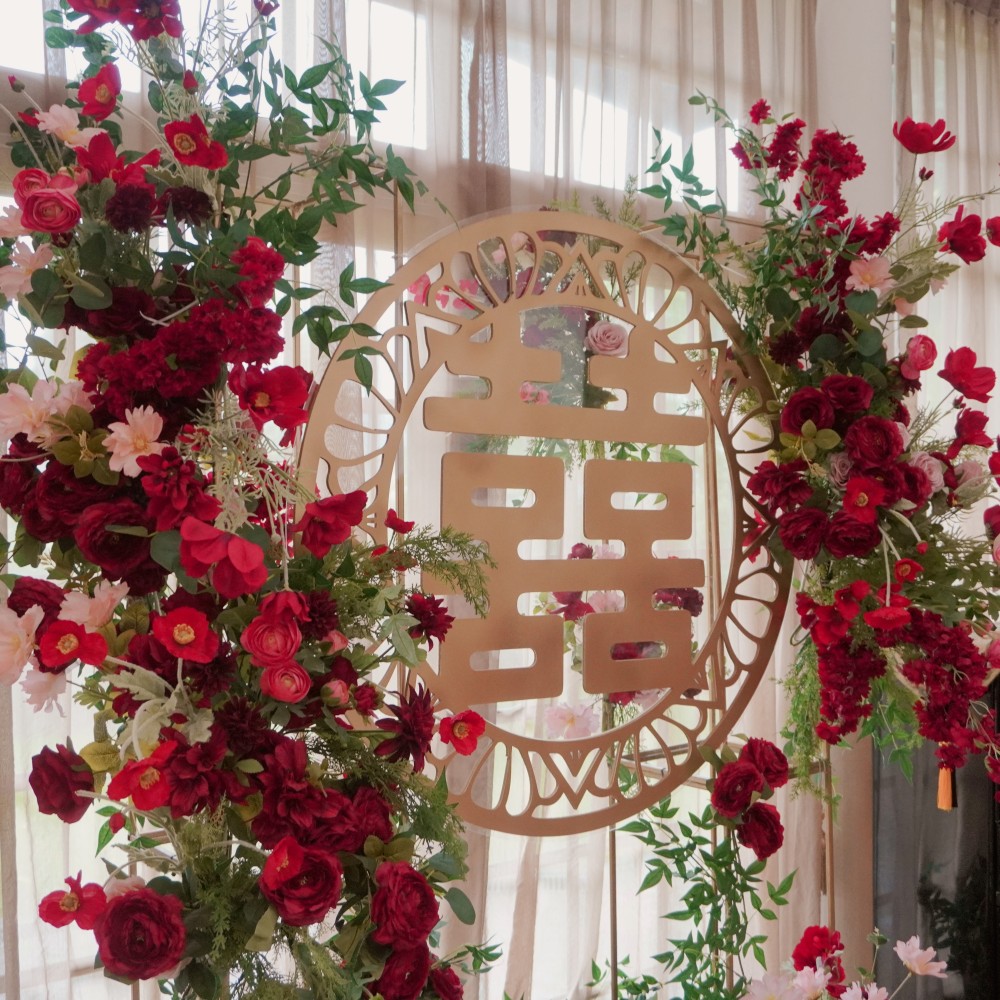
(229, 628)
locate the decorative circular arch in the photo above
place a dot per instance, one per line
(541, 378)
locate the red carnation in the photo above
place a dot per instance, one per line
(922, 137)
(328, 522)
(261, 266)
(187, 633)
(820, 944)
(175, 489)
(82, 905)
(65, 642)
(99, 93)
(193, 146)
(236, 565)
(462, 731)
(141, 934)
(961, 236)
(759, 111)
(960, 370)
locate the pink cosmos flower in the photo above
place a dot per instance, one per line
(920, 961)
(812, 982)
(870, 274)
(773, 986)
(23, 412)
(871, 992)
(10, 223)
(94, 612)
(44, 689)
(570, 722)
(64, 123)
(17, 641)
(15, 278)
(134, 439)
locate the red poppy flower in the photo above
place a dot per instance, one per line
(395, 523)
(149, 18)
(922, 137)
(462, 731)
(862, 498)
(907, 569)
(146, 780)
(278, 394)
(64, 642)
(98, 12)
(187, 633)
(265, 7)
(99, 93)
(236, 565)
(328, 522)
(961, 371)
(961, 236)
(82, 905)
(193, 146)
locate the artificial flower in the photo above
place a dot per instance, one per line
(99, 93)
(81, 905)
(133, 439)
(191, 144)
(923, 137)
(462, 731)
(920, 961)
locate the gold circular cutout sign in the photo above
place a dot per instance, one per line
(577, 397)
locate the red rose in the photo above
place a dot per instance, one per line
(302, 883)
(370, 815)
(961, 236)
(27, 181)
(50, 210)
(116, 553)
(82, 905)
(805, 404)
(873, 442)
(192, 145)
(288, 682)
(922, 137)
(140, 934)
(237, 566)
(761, 830)
(187, 633)
(271, 640)
(56, 778)
(446, 983)
(802, 531)
(462, 731)
(99, 93)
(961, 371)
(28, 592)
(768, 759)
(847, 536)
(848, 392)
(328, 522)
(404, 907)
(734, 787)
(404, 974)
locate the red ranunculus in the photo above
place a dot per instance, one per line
(288, 682)
(768, 759)
(82, 905)
(236, 565)
(187, 633)
(140, 934)
(960, 369)
(761, 830)
(50, 210)
(99, 92)
(961, 236)
(734, 787)
(270, 639)
(462, 731)
(404, 974)
(328, 522)
(193, 146)
(921, 353)
(56, 778)
(65, 642)
(803, 531)
(922, 137)
(302, 883)
(806, 403)
(404, 907)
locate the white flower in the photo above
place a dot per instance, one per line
(920, 960)
(774, 986)
(133, 439)
(17, 641)
(43, 689)
(570, 721)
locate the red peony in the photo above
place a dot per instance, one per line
(847, 536)
(29, 592)
(404, 974)
(99, 93)
(873, 442)
(462, 731)
(849, 393)
(301, 883)
(961, 371)
(404, 907)
(734, 787)
(922, 137)
(803, 531)
(236, 565)
(82, 905)
(118, 554)
(961, 236)
(140, 934)
(99, 12)
(187, 634)
(328, 522)
(820, 944)
(370, 815)
(768, 759)
(57, 777)
(761, 830)
(805, 404)
(193, 146)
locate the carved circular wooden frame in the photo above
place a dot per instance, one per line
(571, 785)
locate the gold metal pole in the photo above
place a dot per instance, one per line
(613, 894)
(828, 808)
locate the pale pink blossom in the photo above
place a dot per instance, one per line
(120, 885)
(64, 123)
(134, 439)
(870, 274)
(920, 961)
(937, 284)
(871, 992)
(531, 393)
(904, 433)
(23, 412)
(607, 338)
(607, 600)
(931, 468)
(93, 612)
(10, 223)
(570, 721)
(645, 700)
(606, 552)
(15, 277)
(812, 982)
(971, 474)
(17, 641)
(904, 307)
(773, 986)
(43, 689)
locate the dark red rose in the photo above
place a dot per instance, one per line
(768, 759)
(302, 883)
(446, 983)
(847, 536)
(61, 497)
(140, 935)
(29, 592)
(805, 404)
(803, 531)
(370, 815)
(734, 787)
(821, 944)
(761, 830)
(404, 907)
(848, 392)
(873, 442)
(56, 778)
(404, 974)
(116, 553)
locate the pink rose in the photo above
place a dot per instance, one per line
(50, 210)
(921, 353)
(286, 682)
(607, 338)
(27, 181)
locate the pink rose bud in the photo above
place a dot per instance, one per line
(337, 640)
(337, 694)
(607, 338)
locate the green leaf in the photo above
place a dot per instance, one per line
(912, 322)
(826, 347)
(42, 348)
(165, 549)
(461, 905)
(862, 302)
(780, 304)
(869, 342)
(382, 88)
(90, 292)
(203, 980)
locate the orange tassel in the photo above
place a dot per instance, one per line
(946, 798)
